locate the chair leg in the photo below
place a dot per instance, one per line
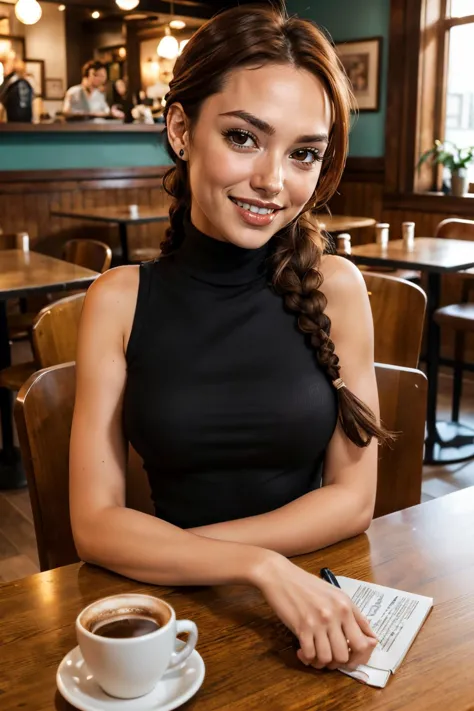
(459, 345)
(6, 423)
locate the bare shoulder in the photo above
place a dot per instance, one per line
(348, 304)
(341, 278)
(115, 285)
(111, 301)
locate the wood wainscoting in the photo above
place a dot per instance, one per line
(26, 199)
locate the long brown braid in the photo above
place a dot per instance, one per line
(253, 36)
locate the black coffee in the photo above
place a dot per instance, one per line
(123, 627)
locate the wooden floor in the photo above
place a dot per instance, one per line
(18, 555)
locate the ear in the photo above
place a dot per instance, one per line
(178, 133)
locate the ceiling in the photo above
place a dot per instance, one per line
(186, 8)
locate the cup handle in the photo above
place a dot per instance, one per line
(188, 626)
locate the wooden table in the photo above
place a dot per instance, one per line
(434, 256)
(121, 215)
(22, 274)
(250, 666)
(343, 223)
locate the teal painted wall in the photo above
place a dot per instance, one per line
(349, 20)
(49, 151)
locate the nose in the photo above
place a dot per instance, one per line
(267, 177)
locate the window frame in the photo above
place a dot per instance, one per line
(416, 101)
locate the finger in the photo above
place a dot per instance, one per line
(307, 651)
(323, 650)
(363, 623)
(339, 647)
(361, 645)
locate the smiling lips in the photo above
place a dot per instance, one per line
(256, 212)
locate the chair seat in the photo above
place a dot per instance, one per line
(14, 376)
(457, 316)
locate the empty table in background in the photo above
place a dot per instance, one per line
(343, 223)
(123, 216)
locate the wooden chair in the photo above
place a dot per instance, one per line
(88, 253)
(458, 317)
(54, 338)
(402, 395)
(43, 415)
(398, 309)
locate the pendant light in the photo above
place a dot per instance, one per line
(168, 47)
(127, 4)
(28, 11)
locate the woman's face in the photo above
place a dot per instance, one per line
(254, 156)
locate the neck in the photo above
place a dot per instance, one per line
(220, 263)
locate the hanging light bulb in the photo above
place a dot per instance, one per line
(28, 11)
(182, 45)
(177, 24)
(127, 4)
(168, 47)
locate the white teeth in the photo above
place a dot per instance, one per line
(253, 208)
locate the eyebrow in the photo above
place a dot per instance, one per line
(270, 130)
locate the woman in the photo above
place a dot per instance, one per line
(218, 362)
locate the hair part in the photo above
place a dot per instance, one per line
(253, 36)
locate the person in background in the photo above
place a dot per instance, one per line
(16, 92)
(88, 97)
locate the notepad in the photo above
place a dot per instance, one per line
(396, 617)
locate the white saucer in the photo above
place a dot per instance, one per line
(77, 685)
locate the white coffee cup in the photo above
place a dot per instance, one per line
(130, 667)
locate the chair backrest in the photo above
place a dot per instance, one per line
(55, 331)
(15, 240)
(402, 395)
(88, 253)
(455, 228)
(398, 309)
(43, 415)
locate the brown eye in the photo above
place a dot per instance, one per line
(305, 155)
(240, 138)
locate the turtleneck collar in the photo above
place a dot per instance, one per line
(220, 263)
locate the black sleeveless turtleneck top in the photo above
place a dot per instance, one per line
(224, 399)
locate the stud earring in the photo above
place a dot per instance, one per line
(181, 153)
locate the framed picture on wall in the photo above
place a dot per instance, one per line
(362, 62)
(35, 75)
(54, 89)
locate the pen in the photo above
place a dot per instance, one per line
(329, 577)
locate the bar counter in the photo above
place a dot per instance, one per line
(80, 145)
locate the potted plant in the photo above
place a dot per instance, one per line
(454, 159)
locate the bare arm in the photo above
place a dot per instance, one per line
(105, 531)
(344, 506)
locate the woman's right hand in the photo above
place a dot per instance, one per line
(331, 630)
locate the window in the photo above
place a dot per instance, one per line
(459, 104)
